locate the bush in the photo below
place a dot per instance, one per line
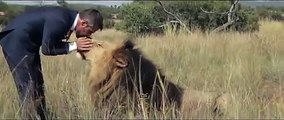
(140, 17)
(248, 20)
(270, 13)
(108, 23)
(137, 18)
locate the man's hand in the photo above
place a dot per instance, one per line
(84, 44)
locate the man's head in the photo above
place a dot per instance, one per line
(90, 20)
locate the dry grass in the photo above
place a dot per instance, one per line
(232, 62)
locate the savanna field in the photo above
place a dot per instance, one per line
(224, 62)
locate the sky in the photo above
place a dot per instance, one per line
(49, 2)
(117, 2)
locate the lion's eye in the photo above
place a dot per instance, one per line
(99, 44)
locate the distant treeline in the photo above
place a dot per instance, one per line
(140, 17)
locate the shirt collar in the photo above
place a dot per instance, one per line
(75, 22)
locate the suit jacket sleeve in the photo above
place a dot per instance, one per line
(53, 34)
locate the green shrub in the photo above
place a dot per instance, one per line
(108, 23)
(270, 13)
(140, 17)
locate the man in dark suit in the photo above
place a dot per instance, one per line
(44, 27)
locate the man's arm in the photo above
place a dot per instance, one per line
(53, 34)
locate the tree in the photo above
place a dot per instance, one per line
(231, 15)
(140, 17)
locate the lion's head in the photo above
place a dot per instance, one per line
(108, 52)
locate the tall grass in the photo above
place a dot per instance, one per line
(231, 62)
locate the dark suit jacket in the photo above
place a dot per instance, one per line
(44, 26)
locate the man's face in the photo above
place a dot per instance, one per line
(83, 29)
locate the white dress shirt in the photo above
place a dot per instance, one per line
(73, 45)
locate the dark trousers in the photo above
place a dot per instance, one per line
(29, 83)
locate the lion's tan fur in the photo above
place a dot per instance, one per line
(121, 67)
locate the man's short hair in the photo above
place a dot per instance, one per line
(93, 16)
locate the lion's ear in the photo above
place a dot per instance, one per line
(128, 45)
(121, 59)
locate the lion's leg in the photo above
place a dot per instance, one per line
(94, 94)
(101, 89)
(96, 80)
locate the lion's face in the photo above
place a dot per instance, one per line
(99, 51)
(107, 61)
(105, 52)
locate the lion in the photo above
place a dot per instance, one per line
(121, 66)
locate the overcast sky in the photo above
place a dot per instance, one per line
(117, 2)
(48, 2)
